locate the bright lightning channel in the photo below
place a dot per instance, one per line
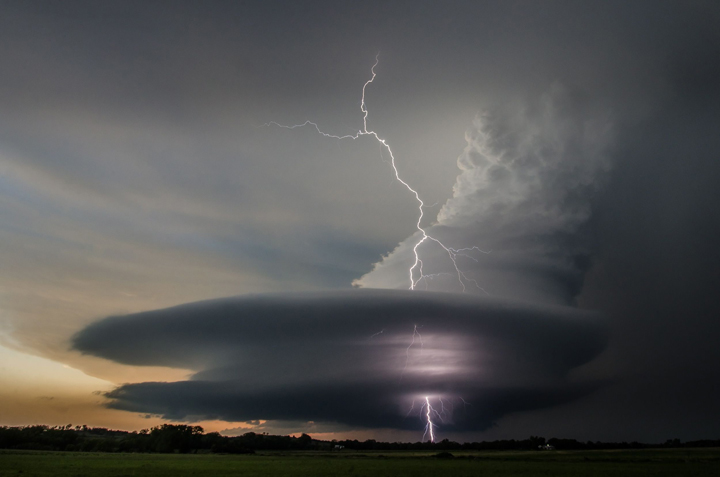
(428, 414)
(416, 271)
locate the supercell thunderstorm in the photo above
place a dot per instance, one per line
(386, 358)
(416, 273)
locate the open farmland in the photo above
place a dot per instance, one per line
(665, 462)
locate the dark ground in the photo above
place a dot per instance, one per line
(646, 462)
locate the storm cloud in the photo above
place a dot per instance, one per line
(528, 176)
(359, 358)
(574, 141)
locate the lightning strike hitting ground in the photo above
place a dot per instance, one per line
(428, 414)
(415, 272)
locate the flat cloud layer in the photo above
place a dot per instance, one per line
(364, 358)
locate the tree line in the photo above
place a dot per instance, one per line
(169, 438)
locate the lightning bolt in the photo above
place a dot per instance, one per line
(415, 273)
(428, 415)
(416, 334)
(412, 408)
(432, 414)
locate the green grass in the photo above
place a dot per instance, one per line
(672, 462)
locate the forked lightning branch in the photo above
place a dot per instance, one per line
(416, 273)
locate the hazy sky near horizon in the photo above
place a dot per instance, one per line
(575, 141)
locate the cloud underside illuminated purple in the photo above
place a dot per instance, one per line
(346, 357)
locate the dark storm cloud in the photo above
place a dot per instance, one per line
(346, 357)
(364, 405)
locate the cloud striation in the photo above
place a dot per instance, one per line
(351, 357)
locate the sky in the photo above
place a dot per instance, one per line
(172, 250)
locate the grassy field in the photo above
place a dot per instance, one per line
(671, 462)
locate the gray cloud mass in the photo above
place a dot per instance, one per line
(351, 357)
(528, 176)
(576, 141)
